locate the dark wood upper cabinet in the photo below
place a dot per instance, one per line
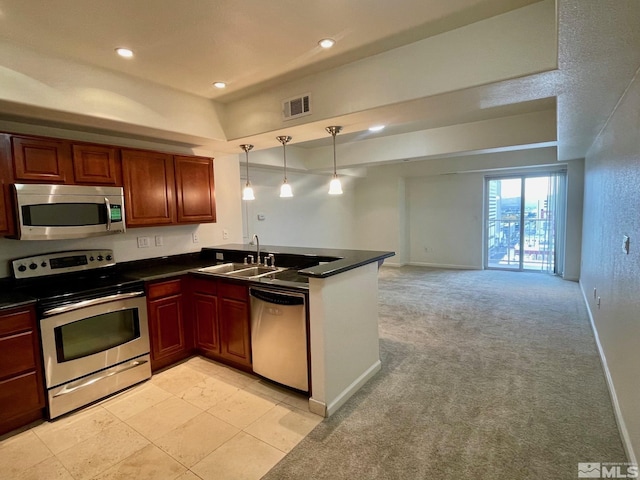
(149, 185)
(7, 226)
(41, 160)
(159, 188)
(195, 191)
(96, 165)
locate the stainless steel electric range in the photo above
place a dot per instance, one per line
(93, 325)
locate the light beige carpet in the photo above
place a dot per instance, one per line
(486, 375)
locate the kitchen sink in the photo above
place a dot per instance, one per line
(255, 271)
(241, 270)
(224, 268)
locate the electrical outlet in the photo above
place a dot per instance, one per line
(144, 242)
(194, 237)
(225, 234)
(159, 241)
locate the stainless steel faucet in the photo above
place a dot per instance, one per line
(257, 241)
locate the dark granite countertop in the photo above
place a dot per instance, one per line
(164, 267)
(326, 262)
(12, 299)
(301, 264)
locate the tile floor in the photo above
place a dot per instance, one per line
(197, 420)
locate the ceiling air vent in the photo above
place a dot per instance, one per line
(296, 107)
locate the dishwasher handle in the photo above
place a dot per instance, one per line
(277, 298)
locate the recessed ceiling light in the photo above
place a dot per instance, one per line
(327, 42)
(376, 128)
(220, 85)
(124, 52)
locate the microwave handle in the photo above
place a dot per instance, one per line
(107, 204)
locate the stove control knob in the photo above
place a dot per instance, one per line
(109, 258)
(33, 266)
(91, 259)
(43, 264)
(22, 268)
(100, 258)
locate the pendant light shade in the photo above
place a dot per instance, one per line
(285, 188)
(247, 193)
(335, 187)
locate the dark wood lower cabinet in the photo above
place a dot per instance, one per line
(221, 320)
(21, 385)
(235, 338)
(169, 328)
(201, 315)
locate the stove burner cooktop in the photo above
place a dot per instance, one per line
(59, 278)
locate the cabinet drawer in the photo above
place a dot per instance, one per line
(20, 395)
(14, 322)
(17, 354)
(164, 289)
(202, 285)
(233, 290)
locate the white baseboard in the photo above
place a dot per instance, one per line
(333, 406)
(393, 265)
(445, 266)
(626, 440)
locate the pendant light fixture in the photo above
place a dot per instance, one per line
(285, 188)
(335, 187)
(247, 193)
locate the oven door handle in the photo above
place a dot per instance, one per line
(84, 382)
(92, 302)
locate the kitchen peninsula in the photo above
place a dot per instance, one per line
(342, 289)
(343, 315)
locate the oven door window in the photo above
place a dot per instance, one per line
(64, 214)
(96, 334)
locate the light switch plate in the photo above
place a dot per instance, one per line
(159, 241)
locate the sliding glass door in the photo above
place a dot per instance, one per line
(524, 219)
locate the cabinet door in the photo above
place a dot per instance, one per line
(6, 223)
(195, 189)
(96, 165)
(234, 331)
(6, 179)
(149, 185)
(166, 325)
(205, 316)
(41, 160)
(20, 396)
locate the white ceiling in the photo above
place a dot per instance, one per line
(254, 45)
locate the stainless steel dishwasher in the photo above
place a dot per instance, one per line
(279, 336)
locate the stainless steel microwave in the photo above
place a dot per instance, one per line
(56, 212)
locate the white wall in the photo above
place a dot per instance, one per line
(573, 239)
(445, 220)
(312, 218)
(177, 239)
(380, 218)
(611, 199)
